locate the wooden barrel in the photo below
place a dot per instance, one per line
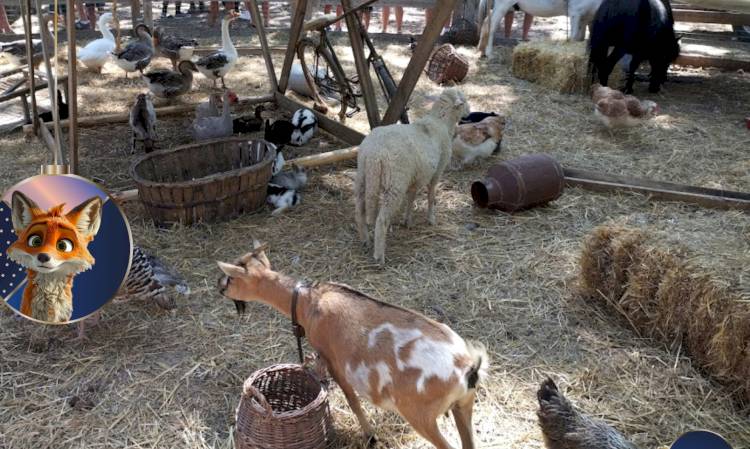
(520, 183)
(208, 181)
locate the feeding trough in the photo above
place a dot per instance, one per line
(206, 181)
(283, 407)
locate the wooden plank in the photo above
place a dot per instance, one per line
(417, 62)
(107, 119)
(699, 16)
(25, 90)
(258, 21)
(148, 14)
(713, 61)
(58, 153)
(341, 131)
(712, 198)
(298, 19)
(354, 27)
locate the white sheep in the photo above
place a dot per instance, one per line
(397, 161)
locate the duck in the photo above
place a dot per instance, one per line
(172, 47)
(143, 123)
(216, 65)
(15, 51)
(211, 107)
(249, 124)
(166, 83)
(215, 127)
(97, 52)
(136, 55)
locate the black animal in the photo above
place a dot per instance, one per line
(279, 132)
(476, 117)
(643, 29)
(62, 110)
(248, 124)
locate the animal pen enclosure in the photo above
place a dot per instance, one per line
(148, 378)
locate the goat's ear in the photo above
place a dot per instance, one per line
(233, 271)
(256, 243)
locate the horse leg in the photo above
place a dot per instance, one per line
(634, 63)
(498, 11)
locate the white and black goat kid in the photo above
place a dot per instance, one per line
(283, 189)
(305, 125)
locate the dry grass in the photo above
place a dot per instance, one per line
(150, 379)
(665, 293)
(558, 65)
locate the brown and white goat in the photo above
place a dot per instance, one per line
(397, 358)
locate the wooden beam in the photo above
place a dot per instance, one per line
(354, 26)
(713, 61)
(298, 19)
(109, 119)
(72, 96)
(242, 51)
(339, 130)
(699, 16)
(58, 153)
(417, 62)
(258, 21)
(148, 14)
(712, 198)
(25, 90)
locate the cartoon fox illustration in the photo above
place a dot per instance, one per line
(52, 247)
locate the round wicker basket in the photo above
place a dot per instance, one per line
(208, 181)
(446, 64)
(283, 407)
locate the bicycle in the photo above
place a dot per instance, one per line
(328, 75)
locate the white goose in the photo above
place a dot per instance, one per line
(217, 64)
(96, 53)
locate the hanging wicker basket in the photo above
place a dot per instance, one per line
(463, 32)
(283, 407)
(208, 181)
(447, 65)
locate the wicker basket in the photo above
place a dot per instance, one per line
(283, 407)
(208, 181)
(447, 65)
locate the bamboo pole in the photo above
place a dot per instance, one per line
(57, 151)
(29, 57)
(73, 90)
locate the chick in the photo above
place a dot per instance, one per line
(617, 110)
(477, 140)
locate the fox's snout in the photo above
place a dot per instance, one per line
(43, 257)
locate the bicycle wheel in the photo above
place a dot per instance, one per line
(327, 74)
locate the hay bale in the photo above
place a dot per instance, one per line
(559, 65)
(664, 294)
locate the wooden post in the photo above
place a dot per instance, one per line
(418, 60)
(29, 60)
(135, 11)
(72, 96)
(363, 68)
(298, 20)
(148, 14)
(258, 21)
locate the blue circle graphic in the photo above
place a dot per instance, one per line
(701, 439)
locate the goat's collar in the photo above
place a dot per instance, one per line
(299, 331)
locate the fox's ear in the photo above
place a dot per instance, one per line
(23, 210)
(87, 216)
